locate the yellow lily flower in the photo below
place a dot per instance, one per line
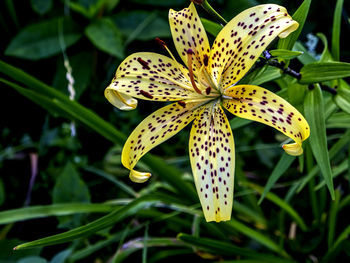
(208, 83)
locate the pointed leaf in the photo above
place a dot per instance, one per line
(336, 29)
(41, 40)
(106, 36)
(91, 228)
(283, 164)
(285, 53)
(320, 72)
(314, 113)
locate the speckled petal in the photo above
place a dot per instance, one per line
(188, 33)
(242, 40)
(258, 104)
(149, 76)
(155, 129)
(212, 159)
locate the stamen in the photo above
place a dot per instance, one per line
(190, 69)
(143, 63)
(182, 103)
(146, 94)
(160, 42)
(207, 90)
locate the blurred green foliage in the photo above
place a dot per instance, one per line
(283, 211)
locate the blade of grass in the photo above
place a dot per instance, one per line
(283, 164)
(227, 249)
(253, 234)
(331, 252)
(336, 30)
(112, 179)
(112, 218)
(282, 204)
(332, 153)
(314, 113)
(25, 213)
(333, 219)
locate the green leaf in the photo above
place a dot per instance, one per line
(257, 236)
(106, 36)
(282, 204)
(336, 29)
(283, 164)
(285, 53)
(342, 98)
(335, 149)
(211, 27)
(324, 71)
(339, 120)
(141, 25)
(314, 113)
(88, 8)
(326, 56)
(333, 219)
(227, 249)
(306, 57)
(41, 40)
(111, 219)
(299, 16)
(69, 187)
(41, 6)
(25, 213)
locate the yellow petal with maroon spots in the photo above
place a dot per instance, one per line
(149, 76)
(212, 159)
(258, 104)
(242, 40)
(188, 33)
(155, 129)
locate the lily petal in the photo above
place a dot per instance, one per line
(242, 40)
(258, 104)
(155, 129)
(188, 33)
(213, 161)
(149, 76)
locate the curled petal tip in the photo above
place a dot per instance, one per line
(139, 177)
(293, 149)
(119, 100)
(293, 26)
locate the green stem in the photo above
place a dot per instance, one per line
(212, 12)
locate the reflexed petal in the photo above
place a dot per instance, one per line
(258, 104)
(149, 76)
(213, 160)
(155, 129)
(242, 40)
(188, 33)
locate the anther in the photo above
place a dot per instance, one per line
(143, 63)
(146, 94)
(161, 42)
(190, 69)
(207, 90)
(182, 103)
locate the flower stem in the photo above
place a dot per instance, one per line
(212, 12)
